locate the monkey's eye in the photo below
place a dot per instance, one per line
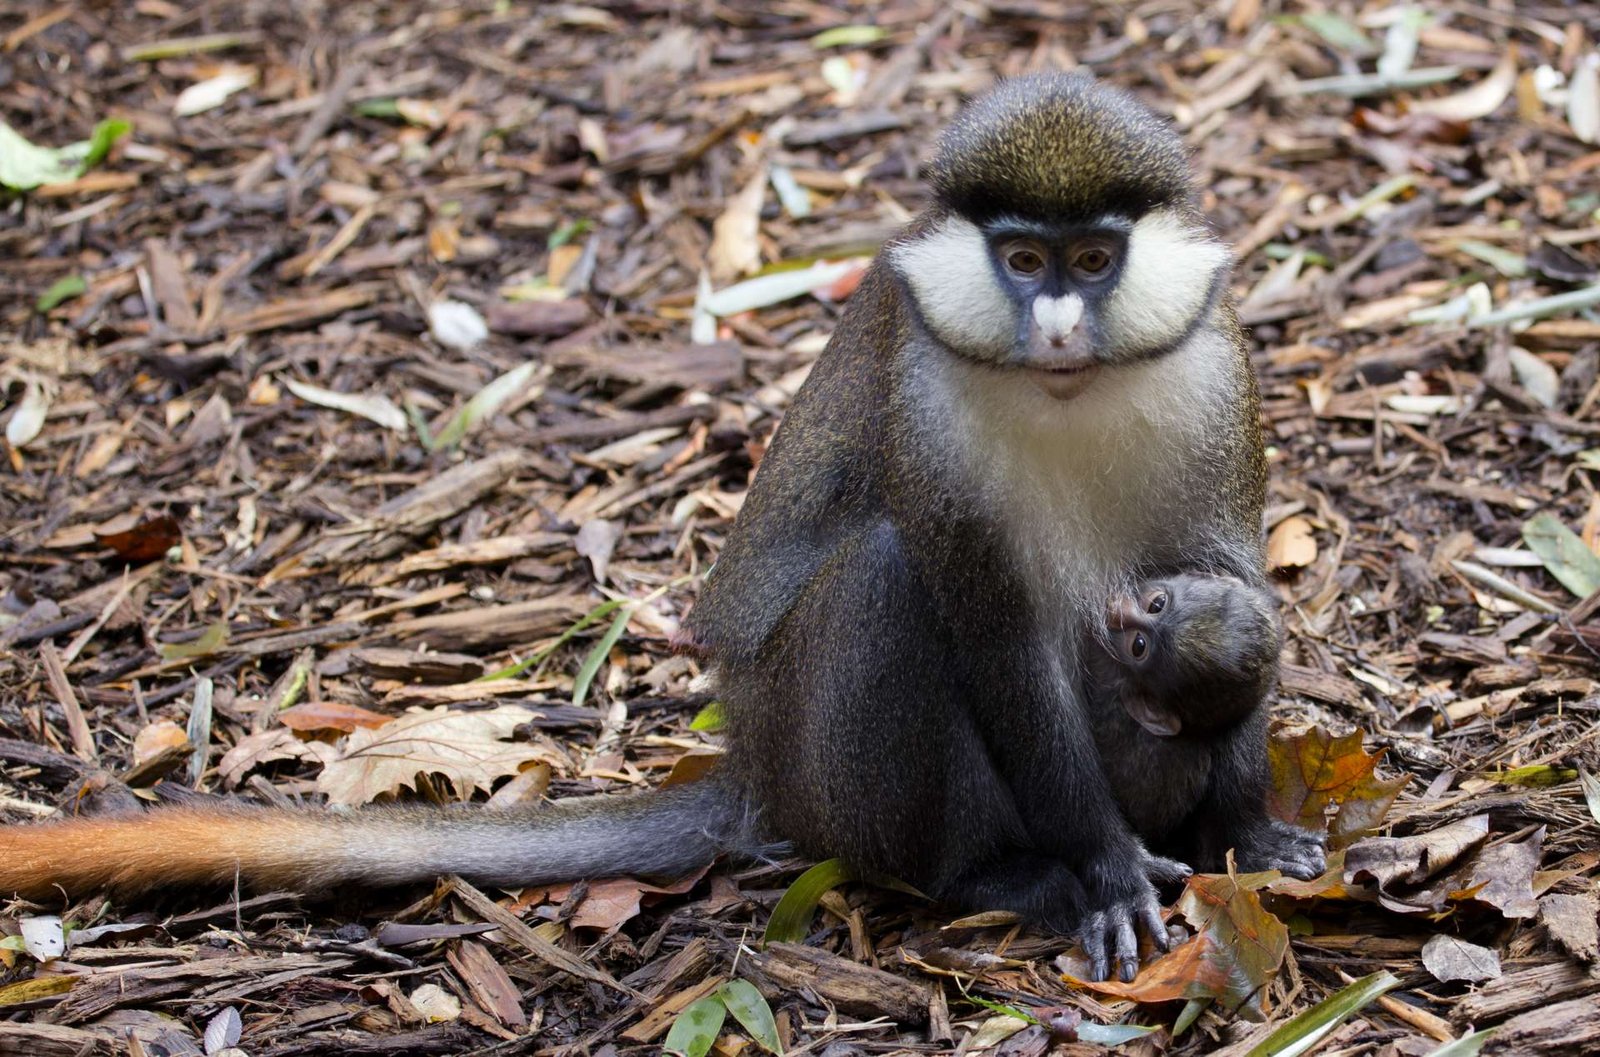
(1138, 645)
(1157, 602)
(1092, 262)
(1025, 260)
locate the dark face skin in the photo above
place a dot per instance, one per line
(1185, 647)
(1058, 275)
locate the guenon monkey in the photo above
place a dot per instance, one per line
(1037, 406)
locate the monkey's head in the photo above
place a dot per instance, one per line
(1187, 651)
(1064, 240)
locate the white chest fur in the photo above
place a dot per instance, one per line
(1086, 487)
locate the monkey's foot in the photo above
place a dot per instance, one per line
(1109, 933)
(1275, 845)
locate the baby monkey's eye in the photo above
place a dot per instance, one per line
(1138, 645)
(1156, 602)
(1025, 261)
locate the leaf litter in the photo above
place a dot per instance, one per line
(465, 222)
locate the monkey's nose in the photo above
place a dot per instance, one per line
(1124, 612)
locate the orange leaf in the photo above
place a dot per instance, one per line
(143, 540)
(1191, 970)
(330, 715)
(1291, 545)
(1313, 769)
(1251, 943)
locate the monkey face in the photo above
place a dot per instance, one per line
(1188, 648)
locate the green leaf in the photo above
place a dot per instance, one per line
(848, 36)
(1002, 1008)
(1465, 1046)
(1537, 774)
(483, 404)
(1191, 1013)
(1302, 1033)
(597, 656)
(1591, 793)
(749, 1007)
(567, 232)
(514, 670)
(1341, 33)
(1567, 557)
(177, 46)
(1511, 265)
(24, 165)
(710, 719)
(791, 918)
(101, 140)
(1114, 1034)
(210, 641)
(63, 289)
(696, 1028)
(388, 109)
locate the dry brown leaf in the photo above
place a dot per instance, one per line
(465, 747)
(1291, 545)
(1313, 770)
(140, 539)
(156, 739)
(1449, 958)
(330, 715)
(735, 243)
(256, 750)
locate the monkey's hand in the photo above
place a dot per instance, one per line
(1269, 844)
(1123, 902)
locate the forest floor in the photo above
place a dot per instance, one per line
(262, 508)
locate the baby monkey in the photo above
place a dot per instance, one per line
(1187, 658)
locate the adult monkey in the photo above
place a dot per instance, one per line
(1036, 415)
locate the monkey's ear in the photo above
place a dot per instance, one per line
(1162, 722)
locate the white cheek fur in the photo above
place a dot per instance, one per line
(954, 284)
(1169, 275)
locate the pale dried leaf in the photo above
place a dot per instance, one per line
(1449, 958)
(465, 747)
(596, 540)
(373, 406)
(435, 1003)
(1481, 100)
(735, 242)
(1291, 544)
(1583, 99)
(157, 738)
(44, 936)
(28, 417)
(213, 91)
(456, 325)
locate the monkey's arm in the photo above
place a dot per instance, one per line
(667, 832)
(814, 490)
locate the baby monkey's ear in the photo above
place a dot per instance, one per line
(1145, 711)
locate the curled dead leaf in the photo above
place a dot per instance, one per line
(1291, 545)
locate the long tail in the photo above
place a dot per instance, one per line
(664, 832)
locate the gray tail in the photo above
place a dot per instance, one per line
(659, 833)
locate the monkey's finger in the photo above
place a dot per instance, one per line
(1127, 947)
(1092, 936)
(1150, 918)
(1167, 871)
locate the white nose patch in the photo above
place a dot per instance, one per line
(1056, 316)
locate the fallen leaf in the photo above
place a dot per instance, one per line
(1449, 959)
(596, 539)
(435, 1003)
(1251, 942)
(1583, 99)
(43, 936)
(735, 241)
(1195, 969)
(223, 1030)
(212, 639)
(456, 325)
(1291, 545)
(157, 738)
(28, 418)
(213, 91)
(1563, 553)
(1502, 876)
(371, 406)
(331, 715)
(140, 539)
(1313, 770)
(1481, 100)
(1414, 859)
(465, 747)
(257, 750)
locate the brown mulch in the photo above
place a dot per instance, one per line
(187, 529)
